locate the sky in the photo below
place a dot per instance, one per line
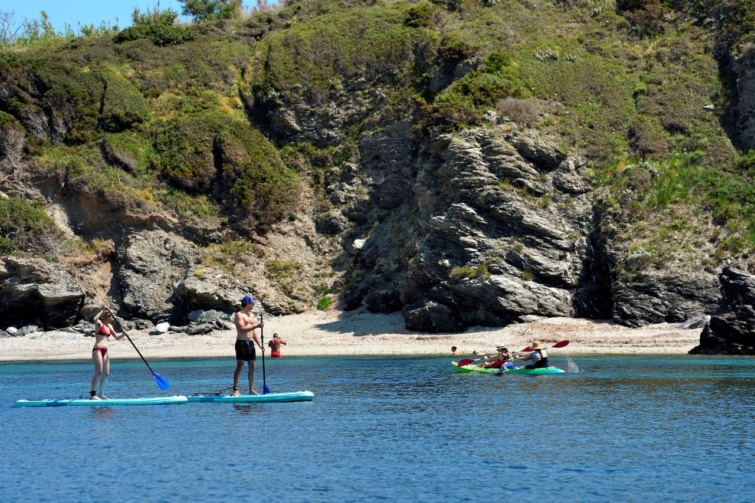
(85, 12)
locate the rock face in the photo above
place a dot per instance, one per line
(34, 291)
(731, 329)
(491, 229)
(745, 109)
(668, 297)
(154, 263)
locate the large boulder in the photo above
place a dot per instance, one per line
(153, 263)
(34, 291)
(731, 329)
(664, 298)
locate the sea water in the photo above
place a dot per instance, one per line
(630, 428)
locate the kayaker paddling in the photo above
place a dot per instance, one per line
(246, 338)
(538, 356)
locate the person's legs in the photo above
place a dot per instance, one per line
(104, 377)
(252, 367)
(98, 363)
(236, 375)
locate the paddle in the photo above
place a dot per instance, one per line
(559, 344)
(465, 361)
(162, 383)
(265, 389)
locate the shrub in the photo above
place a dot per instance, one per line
(324, 303)
(160, 34)
(26, 226)
(520, 111)
(219, 155)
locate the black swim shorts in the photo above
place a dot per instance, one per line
(246, 351)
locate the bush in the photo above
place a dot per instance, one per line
(324, 303)
(223, 157)
(26, 226)
(160, 34)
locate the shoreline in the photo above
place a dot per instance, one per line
(359, 333)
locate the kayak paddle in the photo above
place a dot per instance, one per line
(559, 344)
(465, 361)
(162, 383)
(265, 389)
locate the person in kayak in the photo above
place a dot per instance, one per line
(538, 357)
(245, 350)
(103, 330)
(503, 359)
(275, 346)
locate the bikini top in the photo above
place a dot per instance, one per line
(104, 330)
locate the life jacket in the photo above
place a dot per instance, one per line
(543, 362)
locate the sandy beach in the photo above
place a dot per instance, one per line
(361, 333)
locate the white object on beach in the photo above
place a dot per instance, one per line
(161, 328)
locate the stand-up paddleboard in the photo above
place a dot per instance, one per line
(296, 396)
(107, 402)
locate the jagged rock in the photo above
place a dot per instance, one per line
(475, 194)
(744, 69)
(202, 328)
(26, 330)
(153, 262)
(429, 316)
(664, 297)
(332, 223)
(731, 329)
(195, 294)
(38, 292)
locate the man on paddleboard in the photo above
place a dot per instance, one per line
(245, 350)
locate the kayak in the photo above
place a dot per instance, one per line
(107, 402)
(468, 369)
(296, 396)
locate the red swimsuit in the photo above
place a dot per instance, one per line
(104, 330)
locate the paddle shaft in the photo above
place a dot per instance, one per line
(132, 343)
(262, 338)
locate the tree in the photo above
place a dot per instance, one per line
(9, 30)
(202, 10)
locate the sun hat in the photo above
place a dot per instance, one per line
(536, 345)
(247, 299)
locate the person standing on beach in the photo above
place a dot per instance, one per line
(275, 346)
(245, 350)
(103, 330)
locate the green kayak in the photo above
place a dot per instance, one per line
(468, 369)
(297, 396)
(108, 402)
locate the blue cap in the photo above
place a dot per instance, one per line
(247, 299)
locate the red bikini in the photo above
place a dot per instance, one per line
(104, 330)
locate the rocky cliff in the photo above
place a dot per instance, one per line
(422, 169)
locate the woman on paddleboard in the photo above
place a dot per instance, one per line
(103, 330)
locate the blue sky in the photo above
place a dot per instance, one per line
(85, 12)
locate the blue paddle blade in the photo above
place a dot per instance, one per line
(162, 383)
(265, 390)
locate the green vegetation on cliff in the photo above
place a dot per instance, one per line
(180, 118)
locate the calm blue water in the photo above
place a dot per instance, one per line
(389, 429)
